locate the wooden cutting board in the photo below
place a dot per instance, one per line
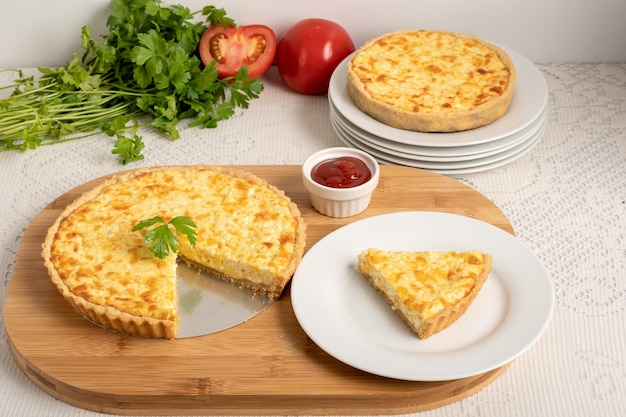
(267, 365)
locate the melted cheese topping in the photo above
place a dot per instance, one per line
(424, 71)
(245, 230)
(424, 282)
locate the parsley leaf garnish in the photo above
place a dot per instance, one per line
(162, 239)
(146, 65)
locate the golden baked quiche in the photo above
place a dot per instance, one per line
(431, 81)
(428, 290)
(248, 231)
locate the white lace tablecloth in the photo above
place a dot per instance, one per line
(566, 200)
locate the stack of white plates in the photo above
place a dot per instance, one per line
(487, 147)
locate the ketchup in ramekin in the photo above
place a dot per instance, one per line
(340, 180)
(342, 172)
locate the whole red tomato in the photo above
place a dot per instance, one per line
(308, 53)
(233, 47)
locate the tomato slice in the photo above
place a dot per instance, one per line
(233, 47)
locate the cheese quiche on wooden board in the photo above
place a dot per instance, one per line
(431, 81)
(248, 231)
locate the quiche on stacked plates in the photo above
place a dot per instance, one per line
(431, 81)
(248, 231)
(444, 101)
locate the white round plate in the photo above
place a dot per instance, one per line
(414, 153)
(451, 167)
(427, 153)
(348, 319)
(528, 101)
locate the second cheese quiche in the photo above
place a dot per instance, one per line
(248, 231)
(428, 290)
(431, 81)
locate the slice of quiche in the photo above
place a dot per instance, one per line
(428, 290)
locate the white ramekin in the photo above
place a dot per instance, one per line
(340, 202)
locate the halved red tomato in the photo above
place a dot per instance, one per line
(233, 47)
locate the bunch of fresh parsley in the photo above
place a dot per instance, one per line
(146, 65)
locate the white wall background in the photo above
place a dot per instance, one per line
(46, 32)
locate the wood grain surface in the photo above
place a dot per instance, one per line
(265, 366)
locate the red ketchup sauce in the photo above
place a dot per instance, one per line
(343, 172)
